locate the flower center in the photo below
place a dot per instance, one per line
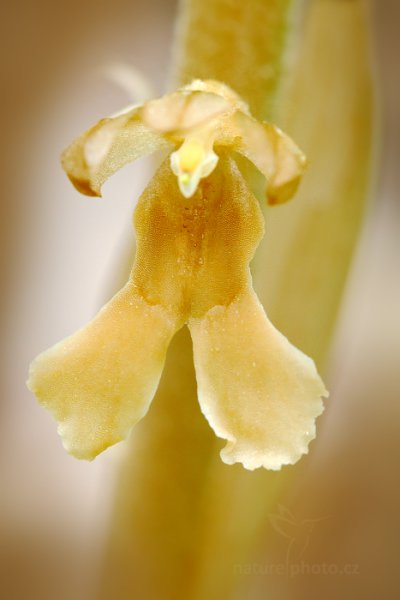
(194, 160)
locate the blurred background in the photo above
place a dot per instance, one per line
(60, 251)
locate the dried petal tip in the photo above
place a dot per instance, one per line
(290, 166)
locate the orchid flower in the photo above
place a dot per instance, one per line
(197, 225)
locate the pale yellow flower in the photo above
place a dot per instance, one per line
(197, 226)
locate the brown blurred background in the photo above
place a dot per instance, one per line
(58, 251)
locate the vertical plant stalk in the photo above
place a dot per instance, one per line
(243, 44)
(303, 261)
(183, 520)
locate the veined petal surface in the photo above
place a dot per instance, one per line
(107, 147)
(273, 152)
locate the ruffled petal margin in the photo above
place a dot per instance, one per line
(100, 381)
(256, 390)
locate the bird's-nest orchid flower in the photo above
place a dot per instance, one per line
(197, 226)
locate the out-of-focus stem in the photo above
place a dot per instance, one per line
(184, 521)
(243, 44)
(301, 266)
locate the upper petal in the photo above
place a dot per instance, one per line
(112, 143)
(183, 110)
(273, 152)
